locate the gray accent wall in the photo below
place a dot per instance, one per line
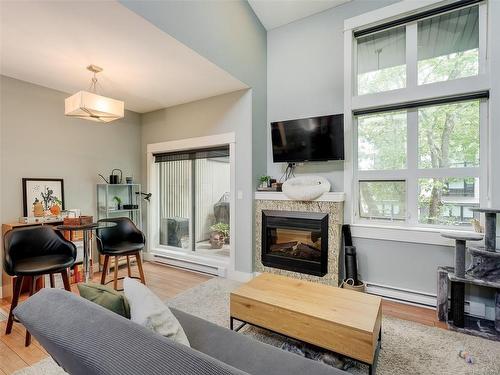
(305, 78)
(229, 34)
(229, 113)
(305, 70)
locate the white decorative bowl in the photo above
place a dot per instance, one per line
(305, 188)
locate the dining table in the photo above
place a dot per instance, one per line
(87, 230)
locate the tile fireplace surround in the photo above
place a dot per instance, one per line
(330, 203)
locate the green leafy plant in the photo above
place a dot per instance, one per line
(263, 179)
(118, 201)
(221, 228)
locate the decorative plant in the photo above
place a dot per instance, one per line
(219, 235)
(48, 198)
(118, 201)
(264, 180)
(221, 228)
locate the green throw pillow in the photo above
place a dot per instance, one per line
(106, 297)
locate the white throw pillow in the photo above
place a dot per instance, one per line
(149, 311)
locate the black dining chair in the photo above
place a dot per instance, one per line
(122, 239)
(31, 253)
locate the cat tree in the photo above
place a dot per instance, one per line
(484, 270)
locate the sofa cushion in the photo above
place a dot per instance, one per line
(149, 311)
(87, 339)
(105, 297)
(246, 353)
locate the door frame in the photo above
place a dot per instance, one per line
(168, 255)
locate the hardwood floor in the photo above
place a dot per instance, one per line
(166, 282)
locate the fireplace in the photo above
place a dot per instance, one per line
(295, 241)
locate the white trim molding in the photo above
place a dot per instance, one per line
(390, 13)
(279, 196)
(192, 143)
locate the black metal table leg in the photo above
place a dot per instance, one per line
(231, 324)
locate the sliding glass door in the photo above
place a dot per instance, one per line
(194, 191)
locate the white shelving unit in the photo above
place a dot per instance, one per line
(130, 194)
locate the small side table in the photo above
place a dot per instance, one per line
(87, 242)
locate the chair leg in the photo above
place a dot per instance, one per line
(76, 272)
(52, 280)
(139, 265)
(105, 269)
(65, 278)
(128, 267)
(115, 281)
(33, 290)
(18, 282)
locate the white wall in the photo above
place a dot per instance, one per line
(220, 114)
(305, 78)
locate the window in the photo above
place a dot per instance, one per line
(381, 61)
(447, 201)
(382, 200)
(448, 46)
(448, 135)
(417, 151)
(441, 142)
(382, 141)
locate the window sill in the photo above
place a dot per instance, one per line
(420, 235)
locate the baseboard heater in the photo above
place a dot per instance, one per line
(402, 295)
(186, 264)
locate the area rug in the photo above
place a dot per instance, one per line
(408, 348)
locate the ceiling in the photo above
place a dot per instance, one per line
(51, 43)
(275, 13)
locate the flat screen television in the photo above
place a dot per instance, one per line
(309, 139)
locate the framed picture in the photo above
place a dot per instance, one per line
(48, 191)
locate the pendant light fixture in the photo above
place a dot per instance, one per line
(88, 105)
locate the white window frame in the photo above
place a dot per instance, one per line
(411, 93)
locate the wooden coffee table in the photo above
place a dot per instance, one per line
(339, 320)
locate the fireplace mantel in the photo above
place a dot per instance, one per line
(332, 196)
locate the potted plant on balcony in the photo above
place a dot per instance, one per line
(218, 234)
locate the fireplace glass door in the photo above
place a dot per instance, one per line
(295, 241)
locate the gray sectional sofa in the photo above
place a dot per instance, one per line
(85, 338)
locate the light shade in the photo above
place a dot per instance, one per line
(90, 106)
